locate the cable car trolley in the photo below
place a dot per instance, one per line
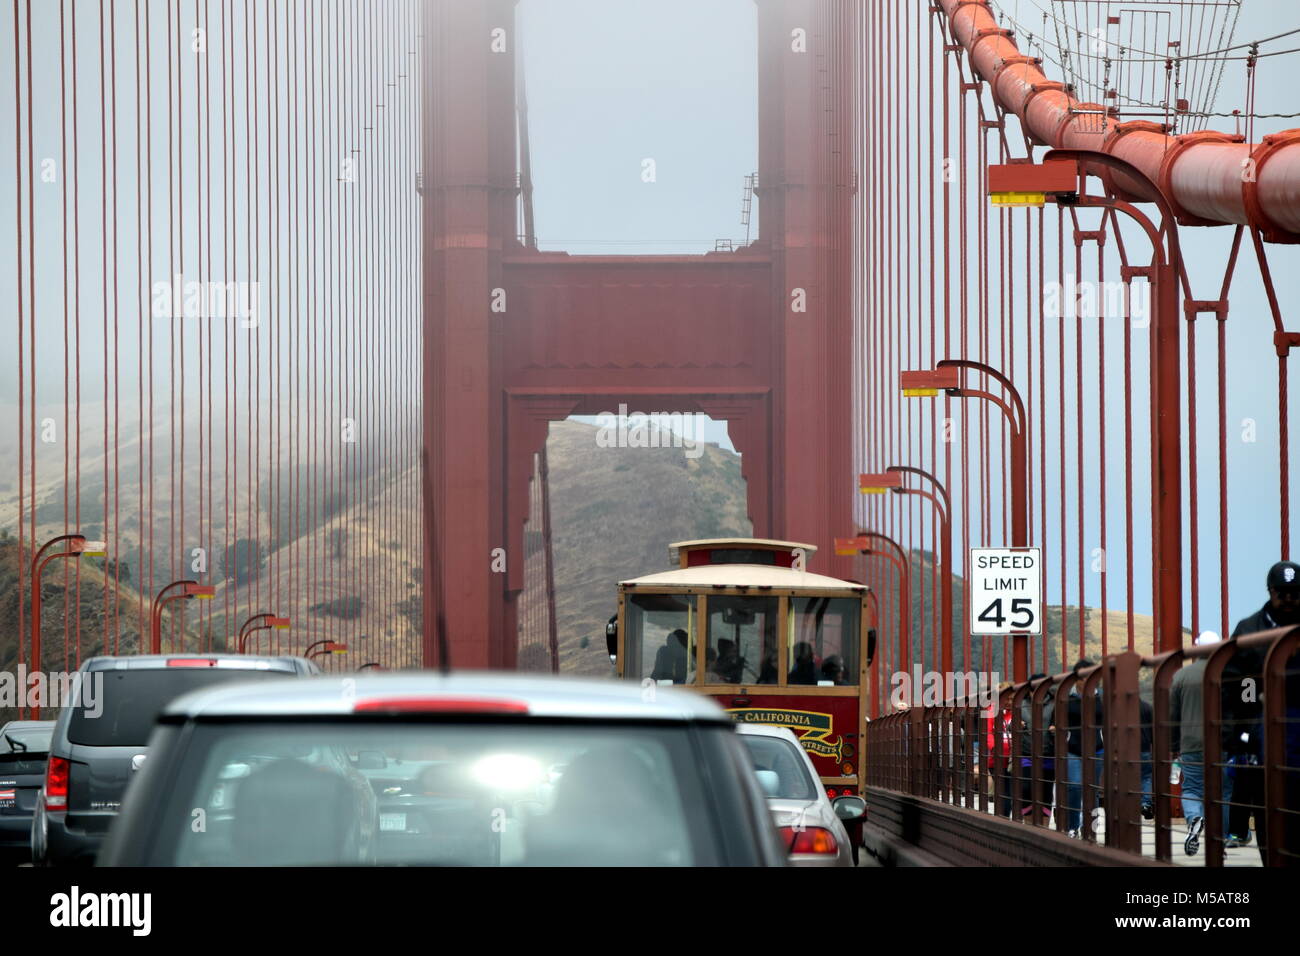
(740, 620)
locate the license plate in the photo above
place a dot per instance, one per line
(392, 822)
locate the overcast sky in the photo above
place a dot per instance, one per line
(678, 83)
(612, 83)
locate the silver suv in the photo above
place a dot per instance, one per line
(470, 769)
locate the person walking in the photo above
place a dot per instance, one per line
(1042, 786)
(1075, 744)
(1187, 743)
(1147, 720)
(1000, 766)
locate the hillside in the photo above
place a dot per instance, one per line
(614, 511)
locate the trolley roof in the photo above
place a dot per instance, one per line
(742, 576)
(765, 543)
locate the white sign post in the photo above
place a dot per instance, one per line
(1006, 591)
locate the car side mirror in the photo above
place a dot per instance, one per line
(611, 637)
(770, 781)
(849, 808)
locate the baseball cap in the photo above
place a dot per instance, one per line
(1284, 574)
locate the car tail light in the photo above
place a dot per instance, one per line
(817, 840)
(440, 705)
(191, 662)
(56, 783)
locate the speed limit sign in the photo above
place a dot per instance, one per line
(1006, 591)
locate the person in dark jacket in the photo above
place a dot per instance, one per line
(1243, 709)
(671, 659)
(1075, 743)
(1043, 786)
(805, 665)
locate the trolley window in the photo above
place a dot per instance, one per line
(822, 640)
(742, 640)
(661, 631)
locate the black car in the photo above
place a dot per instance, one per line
(100, 742)
(24, 747)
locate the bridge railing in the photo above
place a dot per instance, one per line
(1019, 758)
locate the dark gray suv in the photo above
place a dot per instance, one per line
(100, 743)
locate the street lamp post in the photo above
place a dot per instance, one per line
(896, 556)
(270, 621)
(946, 376)
(893, 479)
(326, 647)
(77, 546)
(188, 590)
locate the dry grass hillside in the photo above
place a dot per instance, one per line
(364, 584)
(103, 604)
(614, 511)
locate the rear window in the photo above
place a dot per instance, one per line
(129, 702)
(782, 758)
(440, 794)
(19, 740)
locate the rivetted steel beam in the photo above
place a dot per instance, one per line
(1209, 178)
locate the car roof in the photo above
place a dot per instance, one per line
(743, 575)
(159, 661)
(27, 725)
(768, 730)
(544, 696)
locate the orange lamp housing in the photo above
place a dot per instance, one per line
(879, 483)
(929, 382)
(846, 546)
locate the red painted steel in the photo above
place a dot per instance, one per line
(584, 334)
(1202, 174)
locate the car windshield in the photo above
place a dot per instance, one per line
(782, 758)
(437, 794)
(121, 711)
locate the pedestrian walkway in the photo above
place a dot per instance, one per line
(1245, 856)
